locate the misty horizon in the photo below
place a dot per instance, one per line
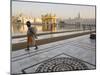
(61, 11)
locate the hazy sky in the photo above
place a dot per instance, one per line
(61, 10)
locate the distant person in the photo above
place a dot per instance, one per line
(31, 36)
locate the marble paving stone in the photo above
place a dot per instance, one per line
(82, 48)
(58, 59)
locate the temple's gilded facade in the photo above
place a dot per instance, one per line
(49, 22)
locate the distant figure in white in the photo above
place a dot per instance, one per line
(31, 36)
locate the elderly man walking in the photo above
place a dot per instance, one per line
(31, 36)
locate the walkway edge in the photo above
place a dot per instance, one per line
(22, 45)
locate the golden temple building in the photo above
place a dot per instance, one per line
(49, 22)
